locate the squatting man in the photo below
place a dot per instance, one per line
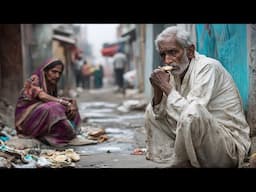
(196, 117)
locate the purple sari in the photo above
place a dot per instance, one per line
(46, 121)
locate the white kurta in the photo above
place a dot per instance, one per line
(202, 119)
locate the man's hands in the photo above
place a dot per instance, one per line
(159, 80)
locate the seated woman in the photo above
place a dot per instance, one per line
(40, 113)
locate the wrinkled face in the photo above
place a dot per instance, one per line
(175, 55)
(53, 75)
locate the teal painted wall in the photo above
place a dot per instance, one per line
(228, 44)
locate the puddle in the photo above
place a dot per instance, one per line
(97, 105)
(118, 127)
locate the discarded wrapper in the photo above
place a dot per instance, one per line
(139, 151)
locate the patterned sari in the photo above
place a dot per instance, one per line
(46, 121)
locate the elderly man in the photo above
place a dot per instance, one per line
(196, 117)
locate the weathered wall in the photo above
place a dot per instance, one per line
(11, 72)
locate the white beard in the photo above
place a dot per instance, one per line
(179, 68)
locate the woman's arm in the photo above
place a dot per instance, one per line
(71, 106)
(46, 97)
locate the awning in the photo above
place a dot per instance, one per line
(109, 51)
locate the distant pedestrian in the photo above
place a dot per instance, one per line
(98, 76)
(120, 64)
(77, 70)
(86, 75)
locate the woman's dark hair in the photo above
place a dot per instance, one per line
(53, 64)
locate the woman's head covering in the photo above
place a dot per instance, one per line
(40, 71)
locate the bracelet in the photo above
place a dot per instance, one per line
(60, 101)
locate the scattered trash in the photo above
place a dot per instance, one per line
(12, 151)
(43, 162)
(132, 105)
(139, 151)
(97, 133)
(4, 138)
(30, 164)
(7, 156)
(4, 163)
(102, 138)
(71, 154)
(23, 143)
(61, 159)
(31, 158)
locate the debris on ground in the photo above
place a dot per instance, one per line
(99, 135)
(130, 105)
(14, 156)
(95, 133)
(23, 143)
(139, 151)
(102, 138)
(61, 159)
(30, 156)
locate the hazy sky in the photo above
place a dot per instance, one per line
(99, 34)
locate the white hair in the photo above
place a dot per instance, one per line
(183, 37)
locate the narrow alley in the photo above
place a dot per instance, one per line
(203, 105)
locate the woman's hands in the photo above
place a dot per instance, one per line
(72, 108)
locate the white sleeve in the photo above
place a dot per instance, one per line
(201, 92)
(159, 110)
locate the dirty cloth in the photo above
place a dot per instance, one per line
(46, 121)
(202, 119)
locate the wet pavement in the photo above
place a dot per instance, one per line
(120, 128)
(125, 132)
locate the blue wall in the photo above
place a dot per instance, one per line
(228, 44)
